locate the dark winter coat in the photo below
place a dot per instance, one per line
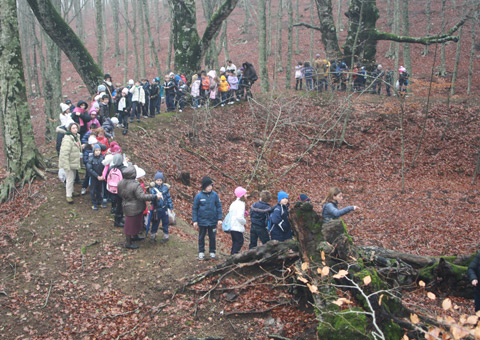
(170, 87)
(154, 91)
(128, 103)
(109, 127)
(103, 113)
(60, 134)
(259, 213)
(331, 212)
(131, 193)
(249, 73)
(94, 165)
(280, 228)
(81, 119)
(165, 202)
(473, 271)
(207, 209)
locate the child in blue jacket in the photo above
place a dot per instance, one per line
(161, 205)
(280, 228)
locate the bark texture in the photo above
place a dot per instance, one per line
(69, 43)
(19, 147)
(262, 46)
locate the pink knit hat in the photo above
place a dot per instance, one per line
(239, 192)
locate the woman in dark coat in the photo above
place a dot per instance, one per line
(133, 201)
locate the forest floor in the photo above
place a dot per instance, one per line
(65, 272)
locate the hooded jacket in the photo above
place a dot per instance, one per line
(70, 152)
(138, 94)
(259, 214)
(237, 214)
(94, 165)
(224, 86)
(81, 117)
(165, 202)
(131, 192)
(249, 73)
(280, 229)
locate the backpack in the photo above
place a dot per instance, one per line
(113, 178)
(227, 223)
(183, 78)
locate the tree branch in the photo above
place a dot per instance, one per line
(307, 26)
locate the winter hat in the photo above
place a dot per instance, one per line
(140, 172)
(304, 198)
(96, 146)
(379, 66)
(117, 160)
(114, 120)
(281, 195)
(115, 149)
(68, 102)
(125, 91)
(318, 55)
(64, 107)
(92, 139)
(239, 192)
(223, 78)
(402, 69)
(131, 82)
(92, 112)
(171, 74)
(101, 88)
(158, 175)
(206, 181)
(222, 69)
(106, 76)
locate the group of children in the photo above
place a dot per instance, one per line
(337, 74)
(267, 222)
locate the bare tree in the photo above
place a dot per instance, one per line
(21, 153)
(116, 30)
(99, 32)
(141, 47)
(340, 25)
(406, 32)
(77, 7)
(428, 13)
(262, 46)
(125, 41)
(443, 70)
(290, 45)
(150, 37)
(472, 52)
(278, 40)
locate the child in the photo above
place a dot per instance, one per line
(124, 104)
(298, 76)
(280, 229)
(207, 216)
(330, 205)
(402, 79)
(104, 111)
(223, 89)
(237, 212)
(138, 100)
(170, 89)
(65, 117)
(259, 214)
(308, 74)
(100, 132)
(233, 81)
(205, 87)
(95, 169)
(161, 205)
(93, 119)
(181, 93)
(195, 92)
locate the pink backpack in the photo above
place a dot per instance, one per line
(113, 178)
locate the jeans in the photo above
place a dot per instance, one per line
(298, 83)
(212, 232)
(237, 241)
(136, 109)
(196, 102)
(163, 217)
(146, 106)
(170, 101)
(96, 188)
(181, 101)
(256, 233)
(309, 84)
(153, 106)
(224, 97)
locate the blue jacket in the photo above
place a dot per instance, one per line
(280, 229)
(207, 209)
(259, 214)
(331, 212)
(166, 202)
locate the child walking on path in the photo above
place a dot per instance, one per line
(207, 216)
(238, 221)
(161, 205)
(259, 214)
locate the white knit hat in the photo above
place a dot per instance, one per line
(64, 107)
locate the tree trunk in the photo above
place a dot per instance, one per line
(340, 25)
(472, 52)
(19, 147)
(150, 37)
(189, 48)
(328, 29)
(99, 32)
(135, 39)
(36, 49)
(406, 32)
(116, 30)
(125, 46)
(278, 55)
(297, 19)
(224, 40)
(143, 72)
(262, 46)
(428, 13)
(396, 50)
(311, 33)
(70, 44)
(458, 52)
(77, 7)
(269, 33)
(246, 24)
(105, 28)
(443, 70)
(395, 29)
(288, 79)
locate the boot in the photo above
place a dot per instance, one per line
(119, 222)
(137, 238)
(129, 244)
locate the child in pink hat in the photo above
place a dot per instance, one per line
(238, 221)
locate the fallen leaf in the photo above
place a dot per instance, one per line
(431, 296)
(414, 318)
(421, 283)
(304, 266)
(446, 304)
(367, 280)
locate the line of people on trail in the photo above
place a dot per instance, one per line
(337, 75)
(267, 222)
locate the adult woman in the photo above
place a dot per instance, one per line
(238, 221)
(330, 205)
(133, 202)
(69, 158)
